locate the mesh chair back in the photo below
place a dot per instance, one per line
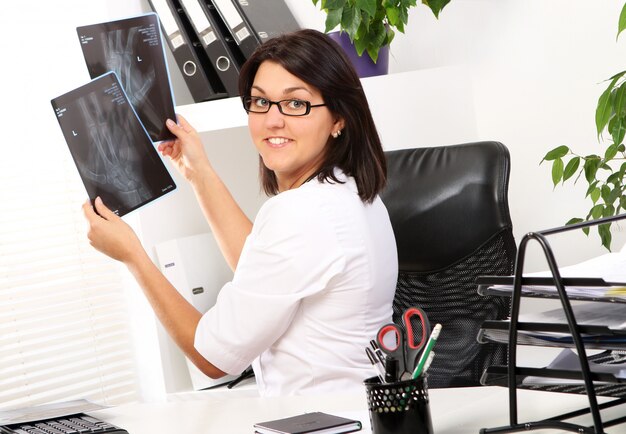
(449, 210)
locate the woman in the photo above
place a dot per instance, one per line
(314, 276)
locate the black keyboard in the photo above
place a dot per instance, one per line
(74, 424)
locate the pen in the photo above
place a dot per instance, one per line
(379, 370)
(378, 351)
(432, 340)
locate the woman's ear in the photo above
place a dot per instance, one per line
(339, 124)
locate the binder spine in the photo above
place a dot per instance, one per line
(213, 43)
(203, 84)
(246, 39)
(266, 25)
(222, 29)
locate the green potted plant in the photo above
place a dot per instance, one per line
(370, 24)
(604, 172)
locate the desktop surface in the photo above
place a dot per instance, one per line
(453, 411)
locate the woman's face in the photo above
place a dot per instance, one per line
(292, 147)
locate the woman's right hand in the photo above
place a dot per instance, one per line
(186, 151)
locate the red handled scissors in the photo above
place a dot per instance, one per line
(405, 342)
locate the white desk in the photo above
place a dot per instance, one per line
(454, 411)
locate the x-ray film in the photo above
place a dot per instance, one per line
(110, 147)
(133, 49)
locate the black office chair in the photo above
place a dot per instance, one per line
(449, 211)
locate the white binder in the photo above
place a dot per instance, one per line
(197, 269)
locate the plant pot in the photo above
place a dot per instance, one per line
(364, 65)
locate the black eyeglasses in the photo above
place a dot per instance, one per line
(288, 107)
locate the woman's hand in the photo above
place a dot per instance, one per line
(186, 151)
(109, 234)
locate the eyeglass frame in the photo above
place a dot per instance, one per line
(307, 104)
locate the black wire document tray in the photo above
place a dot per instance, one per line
(577, 288)
(601, 326)
(585, 326)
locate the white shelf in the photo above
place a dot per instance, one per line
(428, 107)
(215, 115)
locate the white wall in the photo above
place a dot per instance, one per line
(537, 69)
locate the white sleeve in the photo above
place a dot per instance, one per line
(292, 253)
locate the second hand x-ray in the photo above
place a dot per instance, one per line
(111, 149)
(133, 49)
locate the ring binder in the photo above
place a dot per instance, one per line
(202, 81)
(237, 26)
(226, 67)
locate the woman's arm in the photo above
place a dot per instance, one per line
(229, 224)
(112, 236)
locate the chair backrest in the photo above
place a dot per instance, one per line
(449, 210)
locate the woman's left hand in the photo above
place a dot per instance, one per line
(109, 234)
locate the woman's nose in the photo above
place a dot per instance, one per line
(274, 118)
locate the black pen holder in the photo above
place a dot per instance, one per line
(399, 408)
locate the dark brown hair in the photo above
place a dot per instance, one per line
(317, 60)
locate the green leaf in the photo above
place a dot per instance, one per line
(605, 235)
(571, 168)
(615, 178)
(621, 25)
(586, 231)
(591, 167)
(368, 6)
(617, 130)
(610, 152)
(595, 195)
(596, 211)
(393, 15)
(622, 202)
(592, 186)
(604, 108)
(615, 193)
(315, 2)
(333, 18)
(436, 5)
(557, 171)
(334, 4)
(606, 191)
(558, 152)
(574, 220)
(376, 38)
(609, 210)
(350, 21)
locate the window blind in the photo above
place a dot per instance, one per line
(64, 325)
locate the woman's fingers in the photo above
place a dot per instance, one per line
(186, 126)
(102, 209)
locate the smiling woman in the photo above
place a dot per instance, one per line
(315, 274)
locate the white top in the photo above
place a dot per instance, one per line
(315, 281)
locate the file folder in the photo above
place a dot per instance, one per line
(133, 49)
(238, 27)
(213, 43)
(202, 81)
(267, 18)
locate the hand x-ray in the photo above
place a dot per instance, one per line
(112, 150)
(133, 49)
